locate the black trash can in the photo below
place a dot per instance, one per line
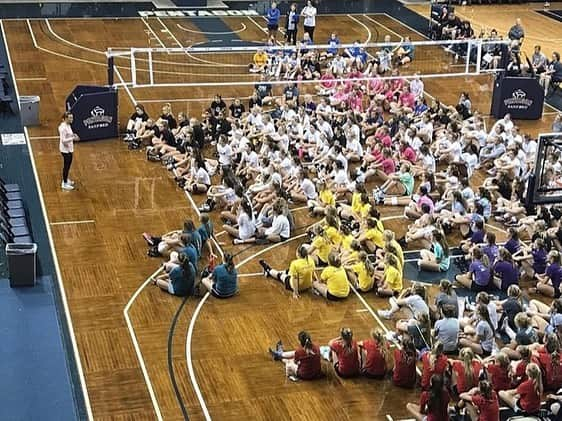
(21, 264)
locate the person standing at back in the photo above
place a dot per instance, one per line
(66, 147)
(309, 14)
(291, 24)
(273, 15)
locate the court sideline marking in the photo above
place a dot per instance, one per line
(210, 32)
(84, 221)
(62, 290)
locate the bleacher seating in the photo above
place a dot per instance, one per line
(13, 220)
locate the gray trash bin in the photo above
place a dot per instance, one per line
(29, 106)
(21, 264)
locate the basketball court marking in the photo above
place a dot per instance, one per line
(136, 345)
(62, 290)
(85, 221)
(384, 26)
(369, 34)
(210, 32)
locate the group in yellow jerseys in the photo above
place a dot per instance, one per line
(343, 258)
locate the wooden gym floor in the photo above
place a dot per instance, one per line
(208, 356)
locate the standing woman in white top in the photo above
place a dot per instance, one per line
(66, 147)
(309, 14)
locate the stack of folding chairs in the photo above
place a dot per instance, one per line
(13, 219)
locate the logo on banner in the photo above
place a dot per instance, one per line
(97, 119)
(518, 101)
(192, 13)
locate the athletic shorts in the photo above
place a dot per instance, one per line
(333, 297)
(171, 288)
(274, 27)
(215, 294)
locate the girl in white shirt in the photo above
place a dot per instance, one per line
(199, 180)
(309, 15)
(245, 227)
(66, 147)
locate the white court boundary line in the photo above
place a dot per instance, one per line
(84, 221)
(62, 290)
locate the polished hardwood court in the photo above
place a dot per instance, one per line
(103, 258)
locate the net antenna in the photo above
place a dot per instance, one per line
(200, 66)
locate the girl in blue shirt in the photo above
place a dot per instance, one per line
(181, 279)
(223, 282)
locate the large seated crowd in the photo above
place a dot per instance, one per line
(345, 151)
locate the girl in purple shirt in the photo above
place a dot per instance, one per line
(532, 260)
(513, 244)
(506, 272)
(491, 249)
(549, 283)
(478, 276)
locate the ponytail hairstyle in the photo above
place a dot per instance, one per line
(306, 342)
(391, 260)
(515, 292)
(534, 373)
(490, 238)
(446, 286)
(485, 388)
(522, 321)
(505, 255)
(334, 259)
(503, 360)
(184, 261)
(525, 353)
(303, 252)
(552, 346)
(477, 254)
(467, 356)
(369, 266)
(440, 238)
(347, 337)
(332, 221)
(228, 262)
(485, 315)
(436, 352)
(408, 350)
(381, 342)
(513, 233)
(388, 236)
(419, 289)
(435, 394)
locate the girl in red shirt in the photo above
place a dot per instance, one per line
(519, 375)
(345, 354)
(434, 403)
(482, 402)
(404, 372)
(549, 362)
(434, 362)
(465, 371)
(374, 355)
(527, 397)
(499, 371)
(303, 363)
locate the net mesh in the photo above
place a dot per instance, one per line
(228, 66)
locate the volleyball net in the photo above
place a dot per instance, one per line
(202, 66)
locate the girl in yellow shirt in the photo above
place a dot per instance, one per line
(300, 274)
(361, 273)
(392, 279)
(326, 198)
(333, 283)
(372, 238)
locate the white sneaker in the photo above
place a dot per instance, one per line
(384, 314)
(67, 186)
(69, 181)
